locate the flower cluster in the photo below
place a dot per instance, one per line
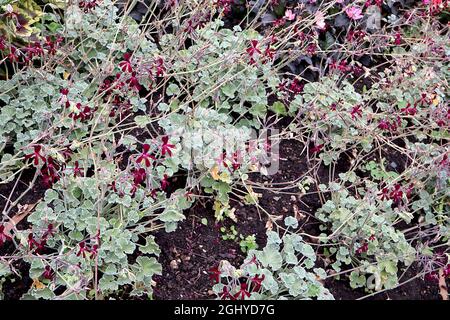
(39, 246)
(88, 5)
(255, 52)
(144, 162)
(397, 193)
(84, 250)
(51, 170)
(36, 50)
(365, 245)
(225, 5)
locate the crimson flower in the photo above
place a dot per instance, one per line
(296, 87)
(33, 243)
(145, 156)
(279, 22)
(273, 39)
(225, 5)
(106, 87)
(113, 187)
(363, 248)
(51, 164)
(257, 282)
(356, 110)
(317, 148)
(49, 232)
(48, 179)
(395, 124)
(424, 100)
(94, 251)
(188, 195)
(66, 153)
(398, 39)
(51, 45)
(85, 113)
(444, 162)
(243, 292)
(384, 124)
(409, 190)
(377, 2)
(82, 249)
(14, 55)
(119, 84)
(49, 172)
(253, 260)
(3, 236)
(267, 146)
(125, 65)
(253, 48)
(282, 86)
(87, 5)
(2, 43)
(343, 67)
(166, 146)
(48, 273)
(139, 176)
(165, 182)
(235, 161)
(311, 49)
(385, 194)
(215, 274)
(159, 65)
(34, 50)
(133, 82)
(77, 171)
(225, 294)
(396, 193)
(269, 53)
(333, 65)
(409, 110)
(36, 155)
(447, 271)
(355, 35)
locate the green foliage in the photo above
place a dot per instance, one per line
(248, 243)
(287, 266)
(167, 103)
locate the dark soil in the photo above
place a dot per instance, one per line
(31, 197)
(193, 249)
(16, 286)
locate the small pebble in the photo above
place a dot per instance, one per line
(174, 264)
